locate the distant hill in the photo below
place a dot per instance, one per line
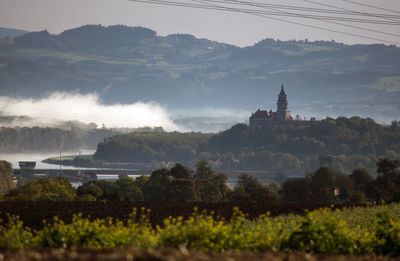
(128, 64)
(4, 32)
(349, 143)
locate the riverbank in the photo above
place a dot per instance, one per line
(87, 161)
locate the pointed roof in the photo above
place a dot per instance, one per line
(282, 91)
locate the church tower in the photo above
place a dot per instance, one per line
(282, 105)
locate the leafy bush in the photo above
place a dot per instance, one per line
(387, 235)
(100, 233)
(13, 235)
(319, 232)
(371, 230)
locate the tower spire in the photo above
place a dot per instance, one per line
(282, 105)
(282, 91)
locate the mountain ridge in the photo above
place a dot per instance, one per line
(11, 32)
(182, 71)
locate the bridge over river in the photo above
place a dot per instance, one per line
(80, 176)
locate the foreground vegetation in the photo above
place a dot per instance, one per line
(360, 231)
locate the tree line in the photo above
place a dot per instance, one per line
(38, 139)
(203, 184)
(351, 142)
(69, 135)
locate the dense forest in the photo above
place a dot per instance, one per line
(349, 142)
(139, 147)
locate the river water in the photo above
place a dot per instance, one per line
(14, 158)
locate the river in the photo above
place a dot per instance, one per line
(14, 158)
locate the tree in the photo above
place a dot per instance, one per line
(247, 183)
(47, 189)
(129, 190)
(101, 190)
(323, 186)
(181, 172)
(363, 182)
(90, 190)
(156, 186)
(361, 179)
(345, 185)
(357, 197)
(6, 171)
(274, 188)
(249, 189)
(296, 190)
(181, 190)
(388, 180)
(210, 187)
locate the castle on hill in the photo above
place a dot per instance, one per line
(280, 118)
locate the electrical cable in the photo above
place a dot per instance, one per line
(372, 6)
(346, 9)
(216, 7)
(327, 21)
(316, 27)
(264, 14)
(342, 11)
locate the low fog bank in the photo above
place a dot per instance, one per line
(86, 112)
(209, 119)
(207, 124)
(64, 109)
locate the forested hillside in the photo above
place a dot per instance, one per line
(350, 142)
(38, 139)
(186, 72)
(145, 147)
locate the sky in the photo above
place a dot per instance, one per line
(228, 27)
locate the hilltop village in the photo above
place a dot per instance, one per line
(281, 118)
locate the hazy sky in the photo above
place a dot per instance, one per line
(235, 28)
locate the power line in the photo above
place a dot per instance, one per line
(318, 27)
(327, 21)
(309, 9)
(275, 13)
(256, 13)
(348, 19)
(372, 6)
(350, 10)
